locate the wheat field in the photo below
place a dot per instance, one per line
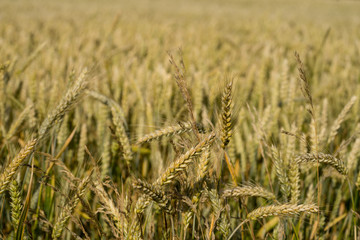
(179, 120)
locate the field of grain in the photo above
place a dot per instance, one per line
(179, 119)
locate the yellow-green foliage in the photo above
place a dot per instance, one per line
(140, 147)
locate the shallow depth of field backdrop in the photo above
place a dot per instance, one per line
(179, 119)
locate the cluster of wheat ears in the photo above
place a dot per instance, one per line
(232, 137)
(189, 192)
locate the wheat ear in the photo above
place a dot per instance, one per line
(184, 161)
(108, 102)
(109, 205)
(226, 115)
(282, 210)
(247, 191)
(165, 132)
(68, 209)
(353, 155)
(82, 143)
(323, 158)
(16, 205)
(219, 213)
(140, 206)
(10, 170)
(204, 165)
(336, 125)
(156, 194)
(15, 125)
(188, 215)
(358, 181)
(180, 76)
(281, 172)
(121, 135)
(70, 98)
(294, 181)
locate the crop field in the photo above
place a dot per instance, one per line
(179, 119)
